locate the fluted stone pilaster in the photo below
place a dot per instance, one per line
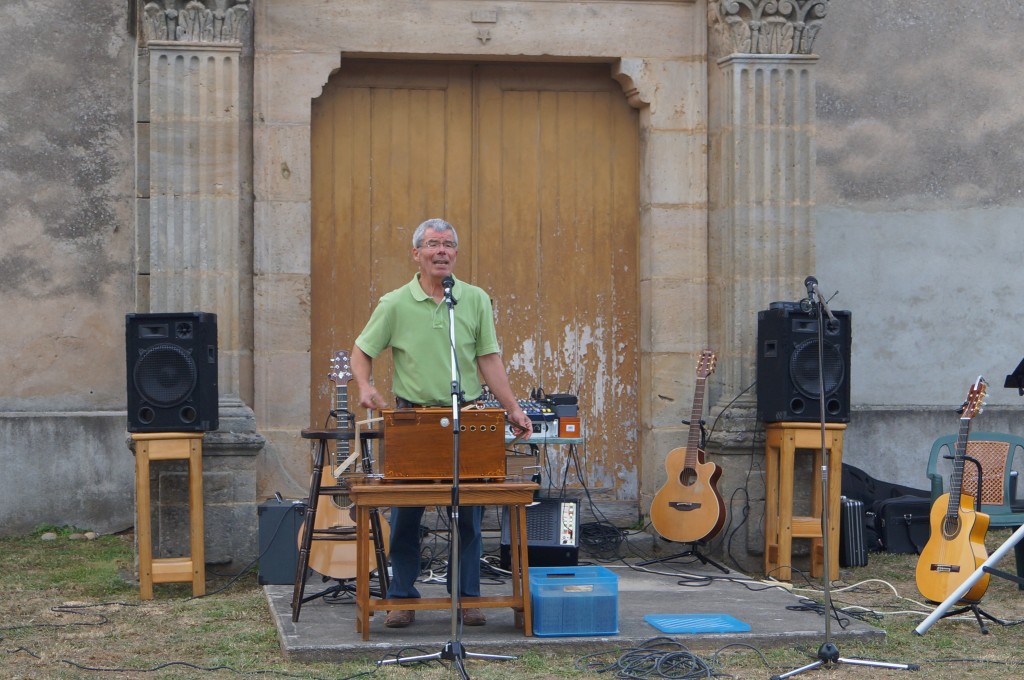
(761, 195)
(194, 189)
(762, 236)
(195, 255)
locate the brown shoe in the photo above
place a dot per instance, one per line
(473, 617)
(400, 618)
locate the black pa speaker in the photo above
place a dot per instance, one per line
(787, 365)
(172, 372)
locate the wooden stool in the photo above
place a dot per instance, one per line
(782, 440)
(169, 446)
(344, 533)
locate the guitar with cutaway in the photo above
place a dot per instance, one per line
(688, 508)
(956, 547)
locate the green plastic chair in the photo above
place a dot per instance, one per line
(997, 452)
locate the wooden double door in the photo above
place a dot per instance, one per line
(536, 165)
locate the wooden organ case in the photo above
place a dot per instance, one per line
(418, 444)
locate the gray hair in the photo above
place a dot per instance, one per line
(437, 224)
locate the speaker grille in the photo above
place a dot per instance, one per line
(788, 387)
(171, 375)
(803, 368)
(548, 522)
(165, 375)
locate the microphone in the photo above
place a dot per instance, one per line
(448, 283)
(812, 286)
(812, 291)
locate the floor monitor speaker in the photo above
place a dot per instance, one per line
(172, 372)
(787, 365)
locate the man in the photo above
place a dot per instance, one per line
(413, 322)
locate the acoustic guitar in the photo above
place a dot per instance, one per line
(688, 508)
(956, 547)
(337, 558)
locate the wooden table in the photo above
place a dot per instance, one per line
(376, 494)
(782, 440)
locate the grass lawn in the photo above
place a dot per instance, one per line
(70, 609)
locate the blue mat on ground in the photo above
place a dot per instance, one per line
(696, 623)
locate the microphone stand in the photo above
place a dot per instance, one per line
(453, 650)
(828, 653)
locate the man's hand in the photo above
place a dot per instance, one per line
(362, 364)
(522, 426)
(370, 398)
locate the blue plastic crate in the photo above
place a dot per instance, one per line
(574, 601)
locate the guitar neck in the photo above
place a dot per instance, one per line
(343, 420)
(693, 438)
(956, 477)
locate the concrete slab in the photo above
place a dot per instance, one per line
(326, 629)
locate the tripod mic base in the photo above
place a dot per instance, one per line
(828, 655)
(453, 651)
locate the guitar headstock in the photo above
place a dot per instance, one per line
(975, 399)
(706, 363)
(341, 367)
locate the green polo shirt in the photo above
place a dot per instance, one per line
(416, 329)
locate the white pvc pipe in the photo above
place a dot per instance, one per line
(969, 583)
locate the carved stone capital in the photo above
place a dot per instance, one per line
(765, 26)
(213, 21)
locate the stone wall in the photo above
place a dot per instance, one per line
(66, 223)
(919, 212)
(916, 210)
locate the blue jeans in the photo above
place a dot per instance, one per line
(405, 551)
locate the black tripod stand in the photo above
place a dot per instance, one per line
(828, 653)
(692, 551)
(453, 650)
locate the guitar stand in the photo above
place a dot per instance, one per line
(339, 587)
(942, 611)
(692, 551)
(979, 614)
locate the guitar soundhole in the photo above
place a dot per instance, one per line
(688, 477)
(951, 527)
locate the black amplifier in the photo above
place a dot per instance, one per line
(552, 534)
(280, 521)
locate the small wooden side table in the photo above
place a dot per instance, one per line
(513, 495)
(155, 446)
(782, 441)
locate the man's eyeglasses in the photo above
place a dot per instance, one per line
(434, 244)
